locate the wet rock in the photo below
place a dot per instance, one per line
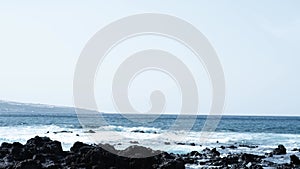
(90, 131)
(194, 153)
(248, 146)
(192, 157)
(63, 131)
(16, 150)
(6, 145)
(231, 159)
(232, 147)
(28, 164)
(77, 145)
(251, 158)
(137, 131)
(294, 160)
(295, 149)
(176, 164)
(214, 152)
(280, 150)
(192, 144)
(142, 131)
(138, 151)
(206, 149)
(43, 153)
(4, 152)
(44, 145)
(269, 154)
(37, 141)
(167, 143)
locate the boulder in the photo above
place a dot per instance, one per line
(251, 158)
(77, 145)
(280, 150)
(294, 160)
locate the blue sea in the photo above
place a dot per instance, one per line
(19, 122)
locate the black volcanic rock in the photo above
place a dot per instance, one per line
(232, 147)
(138, 151)
(251, 158)
(248, 146)
(28, 164)
(79, 146)
(214, 152)
(280, 150)
(44, 153)
(294, 160)
(192, 144)
(43, 145)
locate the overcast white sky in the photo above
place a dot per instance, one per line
(257, 43)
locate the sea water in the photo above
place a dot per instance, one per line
(22, 122)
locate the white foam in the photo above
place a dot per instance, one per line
(156, 138)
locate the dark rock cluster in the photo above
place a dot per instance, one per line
(233, 161)
(211, 158)
(43, 153)
(280, 150)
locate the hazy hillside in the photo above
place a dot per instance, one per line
(15, 107)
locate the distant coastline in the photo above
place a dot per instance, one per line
(49, 107)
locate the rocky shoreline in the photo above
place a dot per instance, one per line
(44, 153)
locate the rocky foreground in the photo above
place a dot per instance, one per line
(43, 153)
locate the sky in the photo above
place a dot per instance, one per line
(257, 43)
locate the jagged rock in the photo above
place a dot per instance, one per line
(77, 145)
(43, 153)
(214, 152)
(280, 150)
(138, 151)
(63, 131)
(176, 164)
(232, 147)
(248, 146)
(231, 159)
(90, 131)
(251, 158)
(167, 143)
(294, 160)
(192, 144)
(28, 164)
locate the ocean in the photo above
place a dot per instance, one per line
(261, 134)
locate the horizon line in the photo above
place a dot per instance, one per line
(168, 113)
